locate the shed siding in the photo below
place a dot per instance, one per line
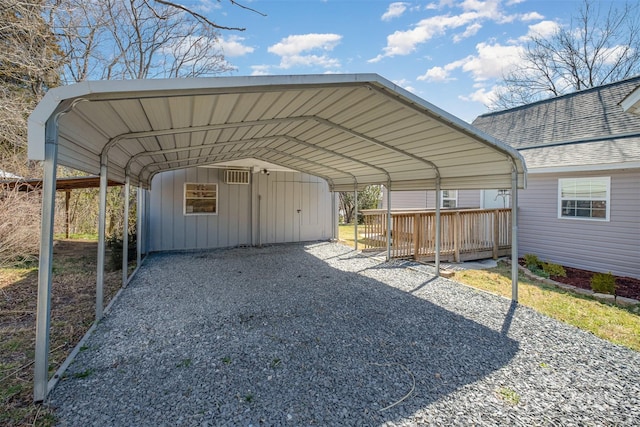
(592, 245)
(240, 216)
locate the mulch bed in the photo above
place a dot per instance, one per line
(625, 286)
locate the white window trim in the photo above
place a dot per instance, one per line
(184, 199)
(577, 218)
(442, 199)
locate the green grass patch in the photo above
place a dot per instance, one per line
(610, 322)
(184, 363)
(509, 395)
(83, 374)
(77, 236)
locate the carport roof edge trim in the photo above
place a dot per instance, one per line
(58, 99)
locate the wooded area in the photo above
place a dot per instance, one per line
(46, 43)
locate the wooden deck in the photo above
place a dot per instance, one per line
(467, 234)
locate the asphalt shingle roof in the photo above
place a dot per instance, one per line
(583, 128)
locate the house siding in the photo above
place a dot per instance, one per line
(600, 246)
(292, 207)
(427, 199)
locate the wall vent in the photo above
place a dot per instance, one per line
(234, 176)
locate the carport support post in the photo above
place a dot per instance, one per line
(138, 227)
(43, 314)
(355, 202)
(334, 216)
(514, 235)
(438, 225)
(125, 231)
(102, 216)
(388, 220)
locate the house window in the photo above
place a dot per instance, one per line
(584, 198)
(200, 199)
(449, 199)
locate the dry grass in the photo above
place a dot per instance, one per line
(73, 308)
(19, 227)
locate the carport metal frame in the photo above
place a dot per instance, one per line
(44, 140)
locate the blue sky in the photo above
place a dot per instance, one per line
(449, 52)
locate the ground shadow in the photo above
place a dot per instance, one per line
(271, 335)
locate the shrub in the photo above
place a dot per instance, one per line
(532, 261)
(115, 244)
(603, 283)
(539, 272)
(554, 269)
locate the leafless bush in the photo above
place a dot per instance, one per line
(19, 227)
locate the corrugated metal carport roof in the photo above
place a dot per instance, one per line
(348, 129)
(352, 130)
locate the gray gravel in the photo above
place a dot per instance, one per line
(320, 335)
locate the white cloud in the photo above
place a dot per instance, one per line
(470, 31)
(531, 16)
(491, 61)
(395, 10)
(208, 6)
(482, 95)
(294, 45)
(295, 50)
(405, 42)
(435, 74)
(474, 12)
(542, 29)
(308, 61)
(260, 70)
(232, 46)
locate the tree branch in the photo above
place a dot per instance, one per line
(198, 16)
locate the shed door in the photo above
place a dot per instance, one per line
(295, 212)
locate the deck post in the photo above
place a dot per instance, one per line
(355, 201)
(67, 198)
(457, 232)
(437, 254)
(417, 223)
(43, 313)
(388, 220)
(496, 233)
(514, 235)
(102, 217)
(125, 231)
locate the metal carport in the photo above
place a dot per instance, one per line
(352, 130)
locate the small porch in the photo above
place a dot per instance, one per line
(466, 234)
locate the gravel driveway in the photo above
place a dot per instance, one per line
(320, 335)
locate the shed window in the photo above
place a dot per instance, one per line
(584, 198)
(449, 199)
(200, 199)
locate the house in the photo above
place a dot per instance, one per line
(581, 207)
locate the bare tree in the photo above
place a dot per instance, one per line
(137, 39)
(30, 61)
(598, 47)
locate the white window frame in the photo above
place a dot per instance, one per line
(206, 187)
(449, 198)
(606, 199)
